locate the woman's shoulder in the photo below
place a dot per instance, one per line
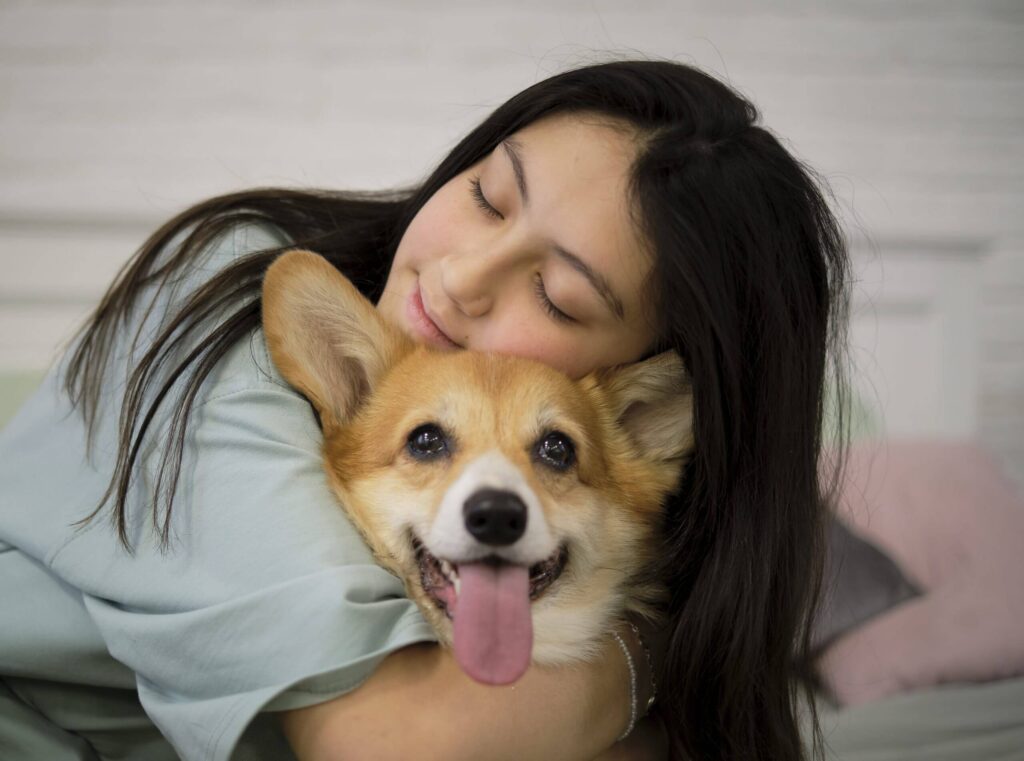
(245, 364)
(232, 242)
(245, 237)
(247, 367)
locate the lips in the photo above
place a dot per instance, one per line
(423, 324)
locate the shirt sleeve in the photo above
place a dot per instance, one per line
(265, 598)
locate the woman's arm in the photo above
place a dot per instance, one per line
(419, 703)
(648, 742)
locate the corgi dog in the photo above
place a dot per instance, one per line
(519, 507)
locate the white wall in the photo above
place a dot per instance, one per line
(116, 113)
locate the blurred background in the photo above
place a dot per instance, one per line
(116, 114)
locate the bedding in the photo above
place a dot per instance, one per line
(950, 722)
(954, 524)
(937, 671)
(861, 581)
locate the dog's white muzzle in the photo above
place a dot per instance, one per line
(490, 478)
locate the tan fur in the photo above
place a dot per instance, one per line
(371, 386)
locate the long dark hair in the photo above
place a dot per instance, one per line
(750, 288)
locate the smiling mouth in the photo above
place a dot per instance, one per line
(440, 578)
(416, 312)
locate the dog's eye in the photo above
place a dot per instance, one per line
(427, 442)
(556, 450)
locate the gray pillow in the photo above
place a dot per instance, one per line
(860, 582)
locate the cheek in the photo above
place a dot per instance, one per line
(431, 232)
(565, 349)
(539, 340)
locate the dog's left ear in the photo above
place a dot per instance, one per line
(324, 336)
(653, 402)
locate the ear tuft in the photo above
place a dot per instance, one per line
(324, 336)
(653, 402)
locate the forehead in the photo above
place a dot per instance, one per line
(578, 169)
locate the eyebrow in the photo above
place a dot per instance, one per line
(597, 281)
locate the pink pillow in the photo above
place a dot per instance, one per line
(955, 525)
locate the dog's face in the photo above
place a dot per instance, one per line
(518, 506)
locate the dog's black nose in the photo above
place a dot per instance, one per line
(494, 516)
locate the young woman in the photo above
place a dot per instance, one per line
(191, 573)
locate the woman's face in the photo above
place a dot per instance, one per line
(539, 260)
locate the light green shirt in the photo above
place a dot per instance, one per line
(267, 598)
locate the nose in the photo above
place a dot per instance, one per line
(495, 517)
(468, 280)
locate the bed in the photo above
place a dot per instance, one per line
(955, 722)
(925, 647)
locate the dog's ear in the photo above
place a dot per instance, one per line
(653, 402)
(324, 336)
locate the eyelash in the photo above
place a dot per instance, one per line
(478, 195)
(549, 307)
(538, 283)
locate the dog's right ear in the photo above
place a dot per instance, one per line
(324, 336)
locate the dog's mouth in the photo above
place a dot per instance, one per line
(440, 578)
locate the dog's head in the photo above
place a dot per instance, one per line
(519, 506)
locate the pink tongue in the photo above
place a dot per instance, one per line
(493, 624)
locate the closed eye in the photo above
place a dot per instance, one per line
(542, 295)
(478, 195)
(545, 301)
